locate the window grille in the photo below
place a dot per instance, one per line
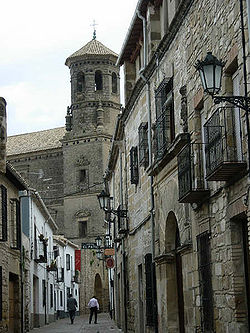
(134, 170)
(3, 213)
(164, 126)
(60, 274)
(143, 144)
(205, 274)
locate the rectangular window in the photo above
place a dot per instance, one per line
(205, 274)
(3, 213)
(82, 228)
(68, 292)
(44, 292)
(143, 144)
(61, 298)
(67, 262)
(164, 126)
(134, 171)
(51, 295)
(15, 224)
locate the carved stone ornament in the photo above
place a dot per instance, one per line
(82, 161)
(82, 213)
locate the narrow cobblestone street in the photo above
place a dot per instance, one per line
(81, 324)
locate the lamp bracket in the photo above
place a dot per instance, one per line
(241, 102)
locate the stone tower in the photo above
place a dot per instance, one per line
(90, 123)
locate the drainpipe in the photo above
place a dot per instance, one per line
(152, 204)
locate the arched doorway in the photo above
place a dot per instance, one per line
(175, 309)
(99, 290)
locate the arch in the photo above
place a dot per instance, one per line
(175, 310)
(114, 83)
(99, 290)
(80, 82)
(98, 80)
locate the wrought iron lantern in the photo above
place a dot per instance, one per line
(104, 200)
(210, 70)
(98, 241)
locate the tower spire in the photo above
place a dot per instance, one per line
(94, 32)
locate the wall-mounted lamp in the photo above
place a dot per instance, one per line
(104, 202)
(210, 70)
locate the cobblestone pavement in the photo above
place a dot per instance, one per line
(81, 324)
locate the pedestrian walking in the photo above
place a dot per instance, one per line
(72, 305)
(94, 307)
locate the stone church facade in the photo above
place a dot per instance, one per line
(66, 165)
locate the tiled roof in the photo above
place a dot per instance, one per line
(36, 141)
(94, 47)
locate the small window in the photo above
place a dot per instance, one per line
(143, 144)
(98, 80)
(61, 298)
(82, 228)
(51, 295)
(114, 83)
(67, 262)
(80, 82)
(83, 176)
(134, 171)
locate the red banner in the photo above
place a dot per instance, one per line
(78, 260)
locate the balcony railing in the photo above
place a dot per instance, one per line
(223, 145)
(192, 186)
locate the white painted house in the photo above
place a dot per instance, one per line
(38, 227)
(67, 277)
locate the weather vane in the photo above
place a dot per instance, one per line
(94, 25)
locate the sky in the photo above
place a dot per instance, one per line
(36, 37)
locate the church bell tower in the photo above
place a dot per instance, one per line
(90, 122)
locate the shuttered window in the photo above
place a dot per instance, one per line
(15, 224)
(134, 171)
(3, 213)
(206, 291)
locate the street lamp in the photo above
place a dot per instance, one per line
(210, 70)
(104, 202)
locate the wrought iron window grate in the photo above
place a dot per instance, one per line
(192, 185)
(223, 141)
(143, 144)
(134, 170)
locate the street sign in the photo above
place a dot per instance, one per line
(89, 246)
(110, 262)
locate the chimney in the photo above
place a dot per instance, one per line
(3, 135)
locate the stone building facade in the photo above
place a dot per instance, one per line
(66, 166)
(184, 167)
(11, 301)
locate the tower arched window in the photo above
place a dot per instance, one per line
(114, 83)
(98, 80)
(80, 82)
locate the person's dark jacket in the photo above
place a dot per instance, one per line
(71, 304)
